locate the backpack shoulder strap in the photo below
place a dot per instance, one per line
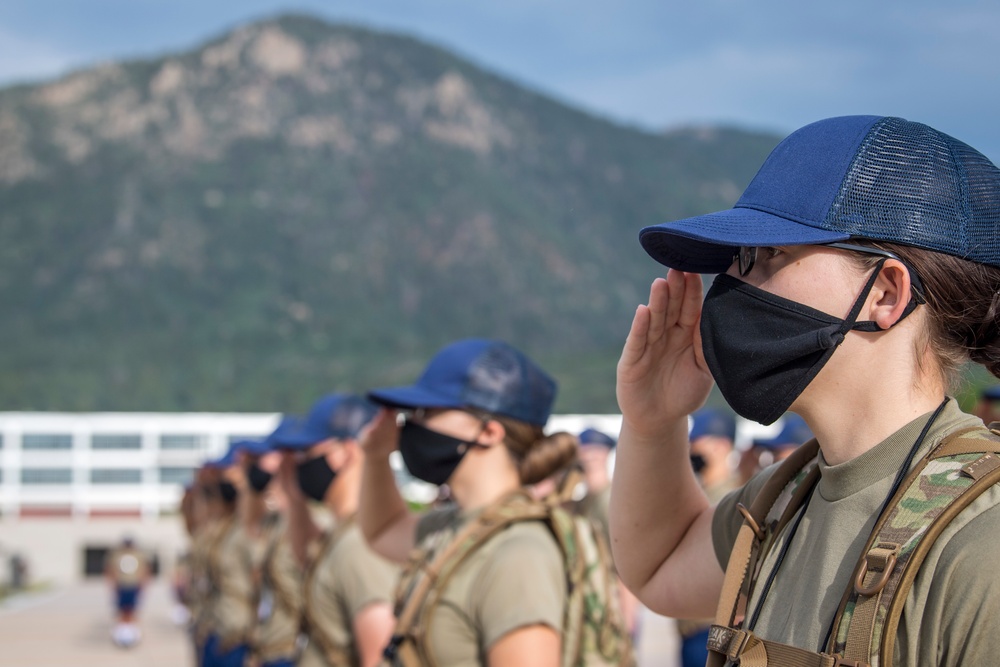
(776, 502)
(334, 653)
(944, 483)
(407, 646)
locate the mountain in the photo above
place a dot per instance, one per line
(297, 207)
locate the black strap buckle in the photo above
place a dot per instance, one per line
(392, 648)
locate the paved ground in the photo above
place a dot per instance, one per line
(71, 627)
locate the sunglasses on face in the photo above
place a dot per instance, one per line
(746, 256)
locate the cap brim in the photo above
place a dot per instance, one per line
(707, 243)
(412, 398)
(300, 439)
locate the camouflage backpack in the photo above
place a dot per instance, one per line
(593, 632)
(936, 490)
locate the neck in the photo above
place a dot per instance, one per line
(715, 474)
(854, 419)
(252, 510)
(473, 492)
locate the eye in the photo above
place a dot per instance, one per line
(769, 252)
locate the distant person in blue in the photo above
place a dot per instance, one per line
(127, 570)
(988, 407)
(766, 451)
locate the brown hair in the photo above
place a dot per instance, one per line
(963, 307)
(535, 454)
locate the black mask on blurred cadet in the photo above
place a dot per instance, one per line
(764, 350)
(430, 456)
(315, 477)
(228, 491)
(698, 463)
(258, 477)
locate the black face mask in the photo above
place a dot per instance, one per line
(258, 477)
(698, 463)
(763, 350)
(430, 456)
(315, 476)
(228, 491)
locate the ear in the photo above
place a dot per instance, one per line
(493, 433)
(890, 294)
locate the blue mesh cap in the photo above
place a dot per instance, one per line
(592, 436)
(227, 460)
(335, 416)
(712, 422)
(253, 447)
(794, 431)
(864, 177)
(488, 375)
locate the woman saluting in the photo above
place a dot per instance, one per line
(857, 273)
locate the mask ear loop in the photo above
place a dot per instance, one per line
(869, 326)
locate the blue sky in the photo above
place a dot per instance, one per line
(767, 64)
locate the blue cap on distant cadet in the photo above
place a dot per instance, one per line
(592, 436)
(253, 447)
(487, 375)
(794, 432)
(226, 460)
(335, 416)
(852, 177)
(991, 393)
(712, 422)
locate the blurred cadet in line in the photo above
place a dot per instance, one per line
(595, 454)
(988, 407)
(225, 618)
(765, 451)
(474, 420)
(712, 438)
(277, 574)
(348, 589)
(127, 570)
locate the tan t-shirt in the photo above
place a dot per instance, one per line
(950, 613)
(596, 507)
(279, 601)
(128, 567)
(347, 577)
(231, 599)
(516, 579)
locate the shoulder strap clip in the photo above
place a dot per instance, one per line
(880, 559)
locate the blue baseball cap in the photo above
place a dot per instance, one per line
(335, 416)
(487, 375)
(252, 447)
(712, 422)
(861, 177)
(794, 432)
(227, 460)
(287, 424)
(991, 393)
(592, 436)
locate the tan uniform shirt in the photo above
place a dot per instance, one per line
(595, 506)
(346, 577)
(279, 600)
(128, 567)
(516, 579)
(949, 617)
(230, 604)
(201, 543)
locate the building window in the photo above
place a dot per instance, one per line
(183, 441)
(46, 476)
(176, 475)
(115, 476)
(116, 441)
(47, 441)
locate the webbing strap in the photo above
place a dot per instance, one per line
(334, 654)
(748, 650)
(742, 558)
(406, 645)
